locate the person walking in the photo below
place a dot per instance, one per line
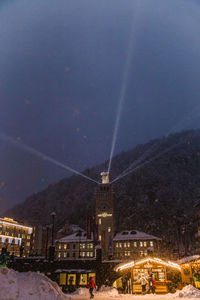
(143, 282)
(91, 285)
(153, 285)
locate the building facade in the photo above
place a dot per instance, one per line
(75, 246)
(15, 237)
(134, 244)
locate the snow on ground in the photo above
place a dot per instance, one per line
(107, 293)
(28, 286)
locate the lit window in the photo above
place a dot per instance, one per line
(91, 254)
(117, 244)
(124, 244)
(135, 244)
(128, 244)
(141, 253)
(28, 237)
(109, 229)
(19, 235)
(65, 246)
(90, 246)
(59, 254)
(99, 221)
(145, 253)
(23, 236)
(88, 254)
(28, 244)
(82, 246)
(141, 244)
(100, 237)
(151, 243)
(129, 253)
(59, 246)
(145, 244)
(65, 254)
(120, 245)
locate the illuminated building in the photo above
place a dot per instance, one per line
(75, 245)
(15, 236)
(129, 244)
(105, 215)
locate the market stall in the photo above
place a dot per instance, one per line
(146, 268)
(190, 272)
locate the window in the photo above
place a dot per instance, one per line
(68, 246)
(74, 254)
(82, 254)
(19, 235)
(135, 244)
(117, 244)
(59, 254)
(125, 245)
(129, 253)
(91, 254)
(151, 243)
(28, 244)
(145, 244)
(65, 254)
(141, 253)
(99, 221)
(109, 229)
(59, 246)
(88, 254)
(100, 237)
(28, 237)
(74, 246)
(120, 245)
(82, 246)
(90, 246)
(65, 246)
(141, 244)
(128, 244)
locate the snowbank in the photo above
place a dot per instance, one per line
(108, 291)
(30, 285)
(188, 292)
(82, 292)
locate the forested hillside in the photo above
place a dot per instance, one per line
(158, 197)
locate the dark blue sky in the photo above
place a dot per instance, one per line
(62, 65)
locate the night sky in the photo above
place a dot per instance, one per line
(62, 67)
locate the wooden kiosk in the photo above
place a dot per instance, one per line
(134, 270)
(190, 270)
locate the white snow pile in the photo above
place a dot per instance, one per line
(108, 291)
(30, 285)
(82, 292)
(188, 292)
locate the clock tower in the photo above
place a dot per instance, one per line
(105, 215)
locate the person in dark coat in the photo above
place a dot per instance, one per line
(91, 285)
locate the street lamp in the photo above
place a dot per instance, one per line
(53, 214)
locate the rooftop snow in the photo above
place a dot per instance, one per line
(133, 235)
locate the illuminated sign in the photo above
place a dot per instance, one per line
(104, 215)
(30, 229)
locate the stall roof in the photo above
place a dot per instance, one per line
(133, 263)
(188, 259)
(134, 235)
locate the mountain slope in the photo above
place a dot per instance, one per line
(158, 197)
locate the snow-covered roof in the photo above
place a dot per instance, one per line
(75, 237)
(133, 235)
(73, 227)
(73, 270)
(188, 259)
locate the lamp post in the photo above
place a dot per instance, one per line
(53, 214)
(52, 248)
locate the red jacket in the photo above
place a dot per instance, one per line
(154, 282)
(91, 283)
